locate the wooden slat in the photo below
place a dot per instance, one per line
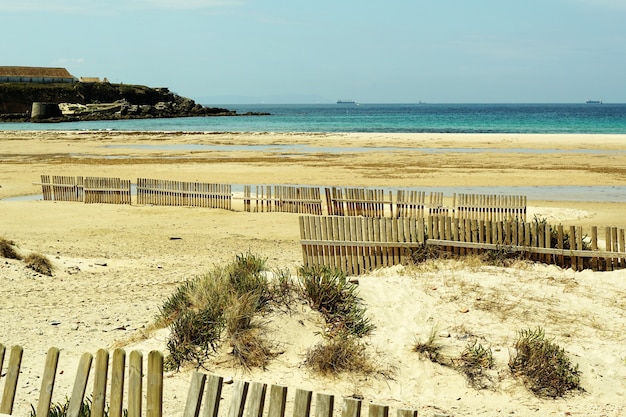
(154, 403)
(10, 382)
(324, 405)
(135, 383)
(256, 399)
(351, 407)
(377, 410)
(212, 396)
(194, 395)
(278, 401)
(238, 399)
(80, 385)
(405, 412)
(98, 399)
(118, 366)
(302, 403)
(47, 382)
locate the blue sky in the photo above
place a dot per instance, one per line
(301, 51)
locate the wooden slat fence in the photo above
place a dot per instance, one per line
(179, 193)
(282, 198)
(204, 397)
(62, 188)
(366, 202)
(358, 244)
(119, 378)
(490, 207)
(249, 398)
(412, 203)
(107, 190)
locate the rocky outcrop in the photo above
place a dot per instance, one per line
(97, 101)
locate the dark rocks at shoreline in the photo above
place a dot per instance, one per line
(106, 102)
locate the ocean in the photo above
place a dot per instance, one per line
(383, 118)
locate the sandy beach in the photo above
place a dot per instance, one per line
(115, 265)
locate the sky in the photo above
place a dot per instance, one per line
(302, 51)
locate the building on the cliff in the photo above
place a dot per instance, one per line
(35, 75)
(93, 80)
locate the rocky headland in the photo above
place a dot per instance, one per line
(31, 102)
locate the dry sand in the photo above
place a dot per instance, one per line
(116, 264)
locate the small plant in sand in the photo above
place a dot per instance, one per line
(39, 263)
(60, 409)
(474, 362)
(339, 353)
(329, 292)
(431, 348)
(543, 365)
(7, 249)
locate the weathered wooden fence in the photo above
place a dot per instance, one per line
(360, 244)
(248, 397)
(180, 193)
(490, 207)
(62, 188)
(366, 202)
(134, 379)
(107, 190)
(370, 202)
(282, 198)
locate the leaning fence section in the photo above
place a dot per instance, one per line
(367, 202)
(282, 198)
(62, 188)
(358, 244)
(490, 207)
(179, 193)
(107, 190)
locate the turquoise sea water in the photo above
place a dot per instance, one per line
(452, 118)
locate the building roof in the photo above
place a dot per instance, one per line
(34, 72)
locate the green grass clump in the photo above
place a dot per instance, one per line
(474, 362)
(430, 348)
(7, 249)
(543, 365)
(60, 409)
(39, 263)
(329, 292)
(220, 305)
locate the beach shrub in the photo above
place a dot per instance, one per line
(222, 304)
(474, 362)
(329, 292)
(7, 249)
(244, 331)
(543, 365)
(39, 263)
(341, 353)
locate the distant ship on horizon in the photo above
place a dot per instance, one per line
(588, 101)
(340, 101)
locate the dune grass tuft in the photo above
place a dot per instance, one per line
(543, 365)
(7, 249)
(39, 263)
